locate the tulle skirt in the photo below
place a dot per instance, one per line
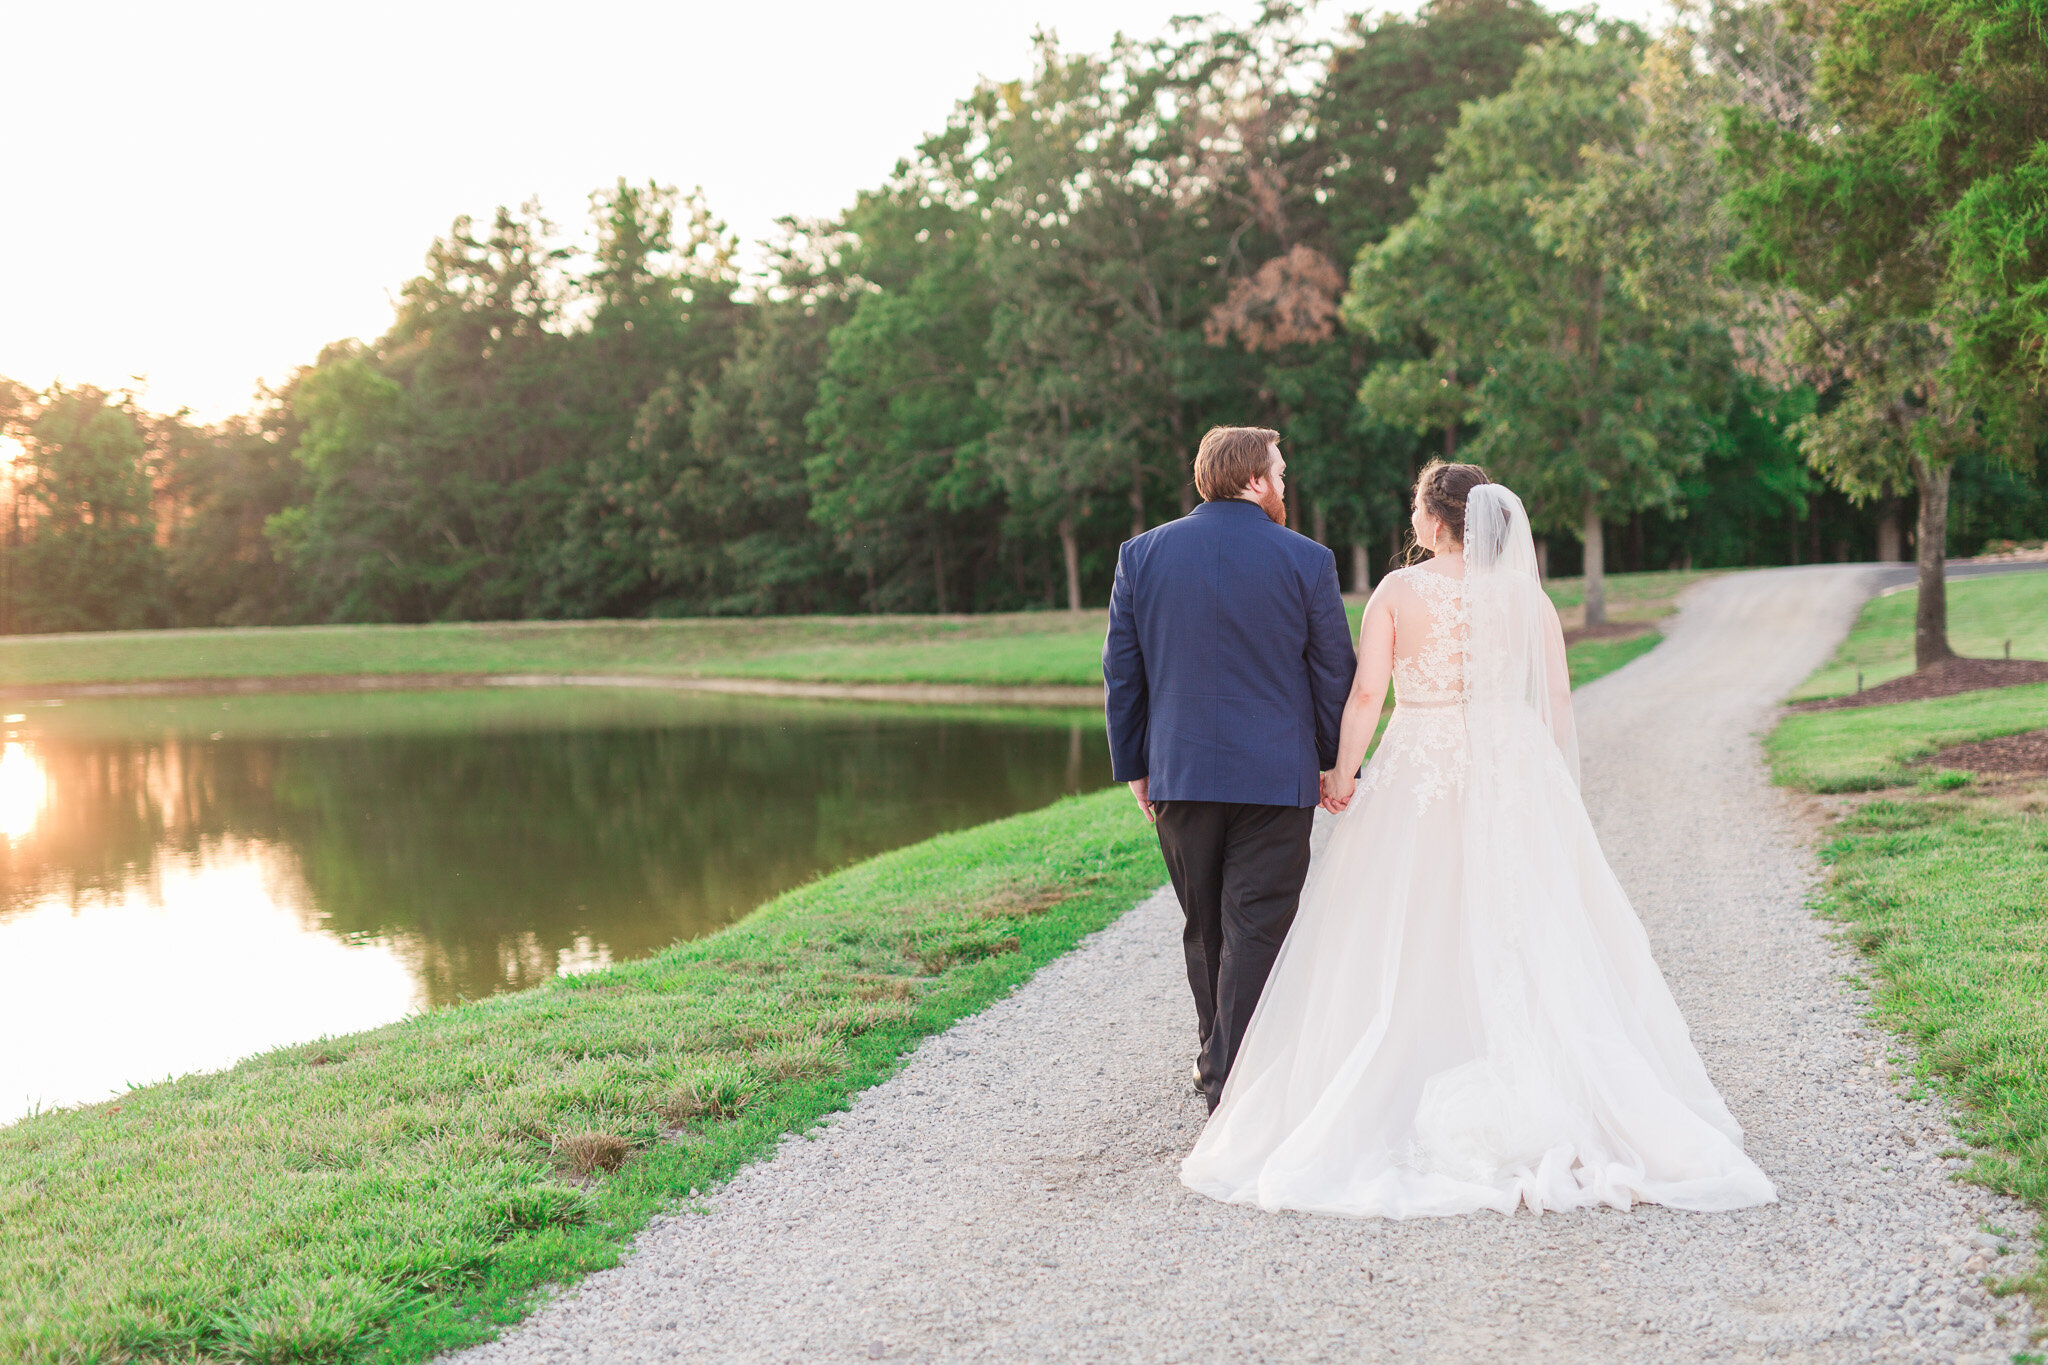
(1466, 1014)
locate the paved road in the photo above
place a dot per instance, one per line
(1013, 1195)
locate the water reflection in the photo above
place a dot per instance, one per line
(23, 789)
(195, 880)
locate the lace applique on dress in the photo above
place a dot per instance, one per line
(1424, 744)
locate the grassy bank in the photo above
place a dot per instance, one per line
(1940, 878)
(1983, 614)
(395, 1193)
(1015, 649)
(1020, 648)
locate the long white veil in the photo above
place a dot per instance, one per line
(1514, 653)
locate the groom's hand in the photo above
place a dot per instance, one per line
(1142, 789)
(1337, 791)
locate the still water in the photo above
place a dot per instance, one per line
(183, 882)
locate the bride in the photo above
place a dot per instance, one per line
(1465, 1014)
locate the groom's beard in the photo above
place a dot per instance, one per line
(1275, 505)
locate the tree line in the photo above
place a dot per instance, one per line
(1742, 292)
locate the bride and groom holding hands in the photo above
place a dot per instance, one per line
(1459, 1010)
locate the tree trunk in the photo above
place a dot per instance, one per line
(1450, 442)
(939, 575)
(1318, 523)
(1176, 421)
(1590, 528)
(1070, 551)
(1361, 567)
(1930, 622)
(1293, 502)
(1889, 551)
(1596, 564)
(1543, 558)
(1137, 498)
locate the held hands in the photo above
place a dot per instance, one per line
(1337, 790)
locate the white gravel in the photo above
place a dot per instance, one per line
(1013, 1193)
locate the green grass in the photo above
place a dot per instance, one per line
(1050, 658)
(392, 1194)
(1590, 659)
(1983, 613)
(1942, 884)
(1947, 896)
(1863, 748)
(1002, 649)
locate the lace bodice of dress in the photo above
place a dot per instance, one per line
(1429, 638)
(1423, 748)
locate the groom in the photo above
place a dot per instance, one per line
(1226, 667)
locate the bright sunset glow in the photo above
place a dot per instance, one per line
(24, 788)
(212, 955)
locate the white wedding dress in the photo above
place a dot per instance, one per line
(1466, 1014)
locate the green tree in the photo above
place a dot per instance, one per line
(706, 510)
(1905, 227)
(87, 557)
(353, 541)
(664, 320)
(1589, 393)
(1087, 203)
(224, 484)
(899, 475)
(1391, 96)
(1315, 151)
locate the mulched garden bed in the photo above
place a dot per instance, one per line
(1944, 679)
(2027, 753)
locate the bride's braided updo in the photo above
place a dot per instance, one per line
(1441, 490)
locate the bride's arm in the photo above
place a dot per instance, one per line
(1362, 706)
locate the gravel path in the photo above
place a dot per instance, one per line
(1013, 1194)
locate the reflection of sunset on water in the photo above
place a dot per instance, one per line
(185, 882)
(206, 964)
(24, 788)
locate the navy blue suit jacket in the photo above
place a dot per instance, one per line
(1228, 659)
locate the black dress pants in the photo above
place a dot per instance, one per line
(1237, 870)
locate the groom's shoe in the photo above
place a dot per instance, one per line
(1195, 1075)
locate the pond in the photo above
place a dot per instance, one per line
(186, 881)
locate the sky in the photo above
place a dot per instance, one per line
(202, 195)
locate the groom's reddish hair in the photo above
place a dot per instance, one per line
(1229, 458)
